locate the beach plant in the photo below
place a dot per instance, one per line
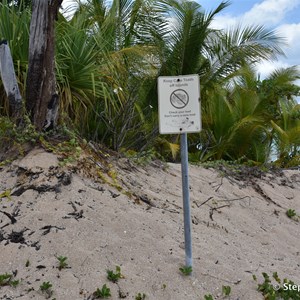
(17, 135)
(186, 270)
(226, 290)
(5, 279)
(291, 213)
(114, 276)
(62, 264)
(14, 283)
(45, 287)
(6, 194)
(140, 296)
(5, 162)
(108, 57)
(103, 293)
(278, 289)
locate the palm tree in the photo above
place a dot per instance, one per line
(124, 36)
(233, 128)
(278, 93)
(109, 57)
(232, 49)
(287, 134)
(192, 46)
(249, 118)
(279, 85)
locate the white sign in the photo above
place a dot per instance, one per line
(178, 100)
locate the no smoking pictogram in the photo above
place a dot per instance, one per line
(179, 99)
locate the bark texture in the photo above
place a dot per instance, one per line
(9, 80)
(41, 97)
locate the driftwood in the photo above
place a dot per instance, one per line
(9, 80)
(41, 96)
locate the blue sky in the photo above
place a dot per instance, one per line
(283, 16)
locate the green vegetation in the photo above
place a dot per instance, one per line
(114, 277)
(62, 262)
(5, 279)
(140, 296)
(14, 283)
(291, 213)
(226, 290)
(186, 270)
(103, 293)
(108, 58)
(45, 287)
(280, 289)
(5, 194)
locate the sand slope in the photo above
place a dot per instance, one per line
(60, 211)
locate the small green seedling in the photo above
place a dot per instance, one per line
(62, 264)
(226, 290)
(291, 213)
(5, 162)
(140, 296)
(208, 297)
(114, 277)
(14, 283)
(5, 279)
(27, 264)
(103, 293)
(45, 287)
(6, 194)
(186, 270)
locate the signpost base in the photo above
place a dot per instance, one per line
(186, 201)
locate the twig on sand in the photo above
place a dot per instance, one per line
(235, 199)
(223, 200)
(11, 217)
(219, 185)
(212, 209)
(48, 228)
(222, 279)
(204, 202)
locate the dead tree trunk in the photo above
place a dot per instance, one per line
(9, 80)
(41, 96)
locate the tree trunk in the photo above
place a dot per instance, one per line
(9, 80)
(41, 96)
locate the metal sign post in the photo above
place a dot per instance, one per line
(179, 113)
(186, 201)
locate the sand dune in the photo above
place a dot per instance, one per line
(133, 219)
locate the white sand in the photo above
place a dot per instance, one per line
(98, 227)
